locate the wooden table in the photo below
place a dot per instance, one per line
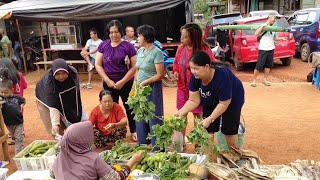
(45, 59)
(3, 136)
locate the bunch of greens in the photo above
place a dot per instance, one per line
(199, 135)
(142, 109)
(163, 133)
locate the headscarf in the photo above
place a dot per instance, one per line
(64, 96)
(76, 159)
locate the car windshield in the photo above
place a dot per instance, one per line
(279, 22)
(225, 20)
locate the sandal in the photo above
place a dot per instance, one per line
(253, 84)
(267, 83)
(134, 137)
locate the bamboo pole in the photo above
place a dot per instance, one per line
(22, 49)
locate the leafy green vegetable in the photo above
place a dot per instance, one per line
(164, 133)
(200, 135)
(142, 109)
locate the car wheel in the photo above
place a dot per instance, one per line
(286, 61)
(238, 65)
(305, 52)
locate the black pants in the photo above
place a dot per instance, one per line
(124, 94)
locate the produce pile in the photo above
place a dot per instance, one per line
(37, 149)
(142, 109)
(123, 151)
(163, 133)
(166, 166)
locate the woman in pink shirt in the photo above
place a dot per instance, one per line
(191, 41)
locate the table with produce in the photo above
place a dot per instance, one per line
(212, 161)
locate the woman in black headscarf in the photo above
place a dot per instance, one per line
(58, 97)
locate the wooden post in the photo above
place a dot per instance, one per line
(44, 53)
(22, 49)
(3, 136)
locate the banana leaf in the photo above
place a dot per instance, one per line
(253, 27)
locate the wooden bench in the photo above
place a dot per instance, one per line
(70, 62)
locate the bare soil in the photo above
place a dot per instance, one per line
(282, 121)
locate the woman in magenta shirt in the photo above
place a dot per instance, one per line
(117, 72)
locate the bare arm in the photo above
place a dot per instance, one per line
(193, 102)
(122, 123)
(260, 29)
(157, 77)
(131, 71)
(221, 108)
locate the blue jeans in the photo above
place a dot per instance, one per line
(143, 128)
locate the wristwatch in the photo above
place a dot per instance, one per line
(211, 118)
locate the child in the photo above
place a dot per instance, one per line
(11, 111)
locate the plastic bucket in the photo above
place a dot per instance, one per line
(221, 140)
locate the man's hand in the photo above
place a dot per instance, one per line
(55, 130)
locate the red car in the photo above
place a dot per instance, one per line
(243, 44)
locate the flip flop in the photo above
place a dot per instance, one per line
(253, 84)
(134, 137)
(267, 83)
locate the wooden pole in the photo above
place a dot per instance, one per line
(22, 49)
(44, 53)
(3, 136)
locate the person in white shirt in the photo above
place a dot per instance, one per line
(91, 45)
(130, 37)
(266, 49)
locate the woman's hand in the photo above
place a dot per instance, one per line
(206, 122)
(111, 84)
(176, 76)
(119, 84)
(55, 130)
(110, 126)
(143, 84)
(136, 158)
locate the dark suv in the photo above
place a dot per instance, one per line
(307, 31)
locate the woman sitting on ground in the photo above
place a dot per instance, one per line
(77, 160)
(109, 120)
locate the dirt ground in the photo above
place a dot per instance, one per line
(282, 120)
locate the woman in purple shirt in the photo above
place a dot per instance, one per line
(116, 64)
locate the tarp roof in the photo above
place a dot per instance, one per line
(82, 10)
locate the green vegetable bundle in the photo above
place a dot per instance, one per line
(166, 166)
(199, 135)
(123, 151)
(142, 109)
(163, 133)
(37, 149)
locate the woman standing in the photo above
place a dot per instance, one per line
(219, 91)
(109, 121)
(58, 97)
(117, 74)
(150, 72)
(191, 41)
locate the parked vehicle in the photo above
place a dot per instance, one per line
(307, 31)
(168, 79)
(222, 19)
(263, 13)
(33, 52)
(244, 45)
